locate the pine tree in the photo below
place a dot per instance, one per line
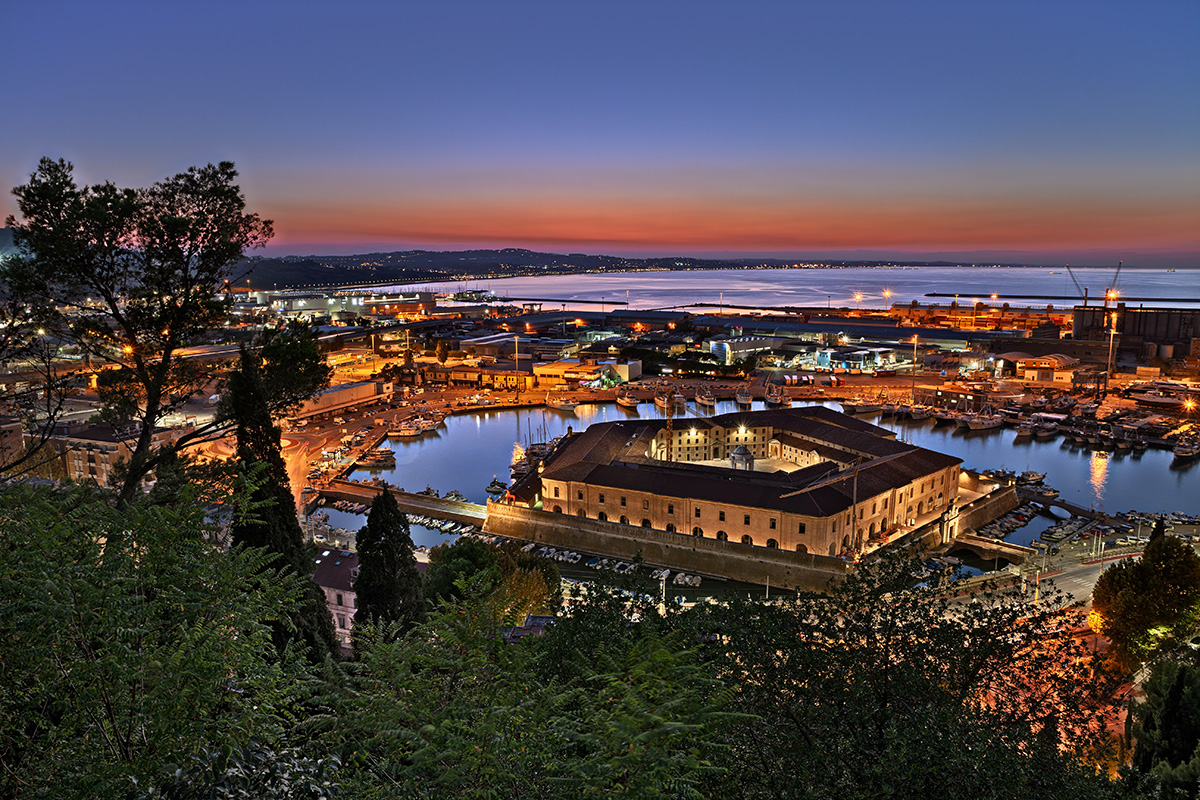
(273, 523)
(388, 584)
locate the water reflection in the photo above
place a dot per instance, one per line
(473, 448)
(1098, 473)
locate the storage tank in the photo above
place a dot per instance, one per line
(1166, 351)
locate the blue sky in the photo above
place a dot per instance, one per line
(1051, 129)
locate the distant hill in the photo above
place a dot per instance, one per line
(418, 266)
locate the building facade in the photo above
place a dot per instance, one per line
(808, 479)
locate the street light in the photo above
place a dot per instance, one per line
(1112, 330)
(857, 298)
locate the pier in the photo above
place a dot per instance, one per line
(409, 502)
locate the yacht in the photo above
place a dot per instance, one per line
(985, 422)
(561, 403)
(627, 399)
(743, 397)
(1186, 450)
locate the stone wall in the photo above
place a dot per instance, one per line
(734, 561)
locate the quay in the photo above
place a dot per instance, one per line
(409, 502)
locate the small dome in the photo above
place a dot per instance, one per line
(741, 450)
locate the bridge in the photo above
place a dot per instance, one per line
(1029, 493)
(991, 549)
(409, 502)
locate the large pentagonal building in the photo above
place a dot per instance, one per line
(806, 479)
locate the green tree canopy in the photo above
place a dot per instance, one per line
(270, 522)
(130, 640)
(388, 586)
(130, 276)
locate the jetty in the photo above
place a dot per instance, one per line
(409, 502)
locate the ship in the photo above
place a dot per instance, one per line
(743, 397)
(704, 397)
(1186, 450)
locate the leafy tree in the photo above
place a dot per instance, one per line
(876, 690)
(453, 711)
(1143, 602)
(388, 586)
(1166, 758)
(255, 769)
(464, 560)
(273, 524)
(442, 352)
(131, 639)
(131, 276)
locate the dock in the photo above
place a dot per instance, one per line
(409, 502)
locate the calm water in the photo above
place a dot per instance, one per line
(838, 287)
(473, 448)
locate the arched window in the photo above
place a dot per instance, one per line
(722, 536)
(772, 544)
(602, 517)
(871, 531)
(846, 542)
(670, 527)
(697, 531)
(747, 540)
(833, 548)
(558, 509)
(624, 520)
(581, 512)
(801, 548)
(646, 523)
(921, 507)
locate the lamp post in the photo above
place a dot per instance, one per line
(1112, 330)
(857, 298)
(914, 371)
(517, 364)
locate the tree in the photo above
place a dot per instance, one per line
(271, 521)
(1143, 602)
(451, 564)
(131, 639)
(388, 587)
(131, 276)
(1166, 757)
(442, 352)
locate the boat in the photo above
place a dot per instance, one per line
(561, 403)
(1045, 430)
(776, 396)
(1030, 477)
(407, 429)
(945, 416)
(497, 486)
(1185, 450)
(985, 422)
(743, 397)
(1024, 430)
(920, 413)
(627, 399)
(704, 397)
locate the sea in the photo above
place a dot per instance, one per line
(839, 288)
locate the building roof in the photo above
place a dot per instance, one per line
(861, 461)
(336, 569)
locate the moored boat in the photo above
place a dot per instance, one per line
(704, 397)
(743, 397)
(561, 403)
(627, 399)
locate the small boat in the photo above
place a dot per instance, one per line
(497, 486)
(1045, 430)
(945, 416)
(627, 399)
(776, 396)
(561, 403)
(1029, 476)
(407, 430)
(1185, 450)
(920, 413)
(985, 422)
(704, 397)
(743, 397)
(1024, 431)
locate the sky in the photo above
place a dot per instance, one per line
(1040, 131)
